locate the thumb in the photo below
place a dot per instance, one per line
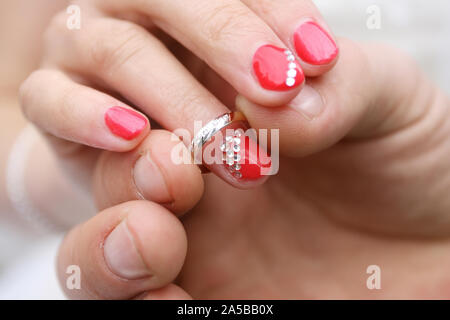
(372, 91)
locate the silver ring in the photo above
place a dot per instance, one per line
(211, 128)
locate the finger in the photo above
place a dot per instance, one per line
(362, 97)
(232, 40)
(149, 172)
(299, 23)
(170, 292)
(124, 251)
(125, 58)
(131, 61)
(80, 114)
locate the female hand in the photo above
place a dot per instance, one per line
(129, 56)
(280, 240)
(379, 197)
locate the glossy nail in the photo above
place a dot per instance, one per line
(277, 68)
(243, 157)
(125, 123)
(121, 254)
(314, 45)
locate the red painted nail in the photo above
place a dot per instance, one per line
(314, 45)
(125, 123)
(244, 158)
(277, 69)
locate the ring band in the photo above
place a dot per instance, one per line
(211, 128)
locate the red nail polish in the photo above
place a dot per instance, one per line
(243, 157)
(125, 123)
(314, 45)
(277, 69)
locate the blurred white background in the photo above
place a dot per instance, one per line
(419, 27)
(422, 28)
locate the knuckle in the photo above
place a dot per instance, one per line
(186, 102)
(115, 43)
(226, 21)
(268, 8)
(191, 105)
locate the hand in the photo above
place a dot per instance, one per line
(109, 54)
(254, 243)
(366, 183)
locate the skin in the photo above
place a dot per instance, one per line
(25, 22)
(341, 210)
(363, 183)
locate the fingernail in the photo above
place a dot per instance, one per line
(314, 45)
(309, 103)
(121, 254)
(243, 157)
(149, 180)
(277, 69)
(125, 123)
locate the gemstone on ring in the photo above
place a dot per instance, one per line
(231, 151)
